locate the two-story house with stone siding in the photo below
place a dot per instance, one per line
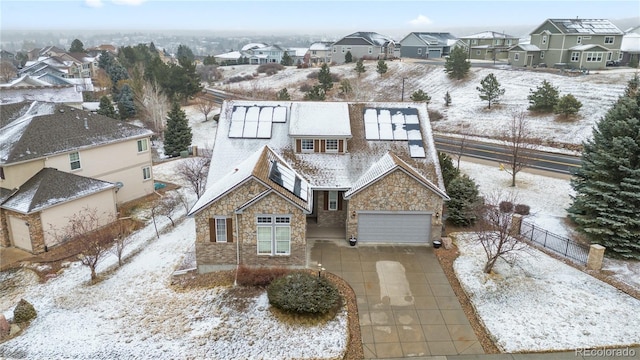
(57, 161)
(368, 171)
(570, 43)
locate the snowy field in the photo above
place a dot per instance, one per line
(579, 310)
(467, 113)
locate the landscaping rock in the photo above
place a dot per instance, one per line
(24, 312)
(5, 328)
(15, 328)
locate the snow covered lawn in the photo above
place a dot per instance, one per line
(542, 304)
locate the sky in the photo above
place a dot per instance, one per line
(298, 16)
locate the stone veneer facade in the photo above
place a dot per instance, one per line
(330, 218)
(396, 191)
(211, 256)
(36, 231)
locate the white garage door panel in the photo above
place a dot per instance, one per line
(394, 228)
(19, 233)
(434, 54)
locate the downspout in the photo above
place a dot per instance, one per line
(564, 37)
(235, 281)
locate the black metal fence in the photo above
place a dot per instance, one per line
(560, 245)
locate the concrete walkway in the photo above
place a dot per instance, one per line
(406, 306)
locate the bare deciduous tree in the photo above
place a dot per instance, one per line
(164, 207)
(121, 240)
(494, 232)
(205, 106)
(7, 71)
(103, 82)
(154, 104)
(520, 144)
(462, 146)
(194, 171)
(90, 233)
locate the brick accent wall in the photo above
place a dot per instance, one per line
(210, 254)
(396, 192)
(4, 230)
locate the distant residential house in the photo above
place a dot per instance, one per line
(281, 168)
(7, 56)
(573, 43)
(319, 53)
(364, 45)
(426, 45)
(253, 53)
(56, 161)
(630, 47)
(46, 87)
(97, 50)
(297, 54)
(488, 45)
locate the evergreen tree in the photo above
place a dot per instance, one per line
(315, 94)
(456, 65)
(283, 95)
(76, 46)
(286, 59)
(382, 67)
(447, 99)
(209, 60)
(177, 134)
(449, 171)
(126, 106)
(106, 108)
(345, 87)
(420, 96)
(607, 185)
(360, 67)
(544, 98)
(152, 49)
(567, 105)
(490, 89)
(465, 199)
(324, 78)
(185, 55)
(348, 58)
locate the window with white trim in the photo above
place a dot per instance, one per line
(274, 235)
(579, 40)
(333, 201)
(419, 51)
(146, 173)
(609, 39)
(541, 54)
(306, 145)
(143, 145)
(474, 42)
(370, 50)
(620, 55)
(331, 145)
(342, 47)
(544, 39)
(221, 230)
(477, 52)
(594, 57)
(609, 56)
(516, 57)
(74, 160)
(575, 56)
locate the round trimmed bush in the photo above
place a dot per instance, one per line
(23, 312)
(303, 293)
(506, 206)
(522, 209)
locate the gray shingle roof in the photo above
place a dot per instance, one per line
(50, 187)
(46, 129)
(586, 26)
(364, 38)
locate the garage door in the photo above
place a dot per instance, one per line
(19, 233)
(435, 54)
(386, 227)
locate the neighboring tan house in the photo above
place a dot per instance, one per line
(364, 45)
(570, 43)
(488, 45)
(319, 53)
(426, 45)
(56, 160)
(630, 47)
(367, 170)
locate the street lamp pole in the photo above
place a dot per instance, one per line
(402, 97)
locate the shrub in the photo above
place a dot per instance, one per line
(335, 77)
(262, 276)
(522, 209)
(506, 206)
(303, 293)
(23, 312)
(239, 78)
(435, 115)
(270, 68)
(313, 75)
(306, 87)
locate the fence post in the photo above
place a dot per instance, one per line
(546, 233)
(596, 255)
(516, 224)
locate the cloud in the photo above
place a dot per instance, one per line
(94, 3)
(420, 20)
(128, 2)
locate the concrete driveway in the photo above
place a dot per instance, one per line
(406, 306)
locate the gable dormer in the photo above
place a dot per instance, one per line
(320, 127)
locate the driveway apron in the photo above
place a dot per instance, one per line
(406, 305)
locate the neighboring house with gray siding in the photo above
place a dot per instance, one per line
(282, 167)
(571, 43)
(364, 45)
(488, 45)
(426, 45)
(630, 47)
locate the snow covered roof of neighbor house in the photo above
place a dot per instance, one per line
(525, 47)
(586, 47)
(50, 187)
(321, 46)
(489, 35)
(631, 43)
(586, 26)
(268, 168)
(38, 129)
(434, 38)
(234, 55)
(297, 51)
(332, 120)
(364, 38)
(251, 46)
(25, 81)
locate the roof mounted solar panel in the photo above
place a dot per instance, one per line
(279, 114)
(288, 179)
(237, 121)
(416, 149)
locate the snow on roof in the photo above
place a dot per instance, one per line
(25, 81)
(489, 35)
(253, 46)
(326, 119)
(234, 55)
(585, 47)
(50, 187)
(297, 51)
(630, 43)
(586, 26)
(526, 47)
(320, 46)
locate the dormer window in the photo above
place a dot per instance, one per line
(306, 145)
